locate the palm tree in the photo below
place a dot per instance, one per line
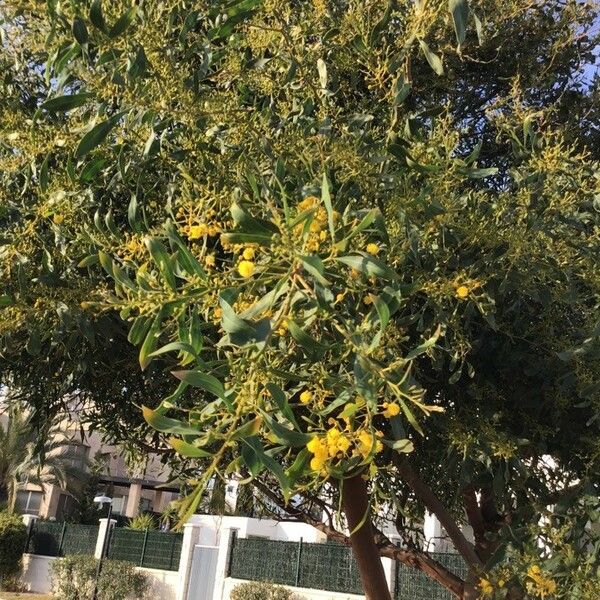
(31, 456)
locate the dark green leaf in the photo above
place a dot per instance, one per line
(96, 136)
(162, 260)
(369, 265)
(96, 16)
(65, 103)
(123, 22)
(158, 421)
(202, 380)
(433, 59)
(312, 347)
(459, 9)
(80, 32)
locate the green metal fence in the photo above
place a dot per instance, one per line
(414, 585)
(151, 549)
(321, 566)
(50, 538)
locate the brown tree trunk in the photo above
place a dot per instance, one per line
(356, 505)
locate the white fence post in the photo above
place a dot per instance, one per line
(389, 567)
(103, 531)
(191, 534)
(223, 560)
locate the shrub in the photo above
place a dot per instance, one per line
(255, 590)
(142, 522)
(73, 578)
(13, 535)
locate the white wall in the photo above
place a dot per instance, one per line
(163, 584)
(36, 577)
(36, 572)
(300, 593)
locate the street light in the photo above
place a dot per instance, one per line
(102, 500)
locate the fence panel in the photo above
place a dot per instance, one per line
(321, 566)
(415, 585)
(329, 567)
(79, 539)
(45, 538)
(152, 549)
(50, 538)
(264, 560)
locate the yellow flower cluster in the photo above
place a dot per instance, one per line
(485, 586)
(317, 233)
(540, 585)
(246, 264)
(391, 409)
(335, 444)
(196, 232)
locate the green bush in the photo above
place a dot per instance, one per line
(142, 522)
(13, 535)
(73, 578)
(254, 590)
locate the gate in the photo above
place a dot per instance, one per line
(203, 573)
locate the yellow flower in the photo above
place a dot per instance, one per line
(462, 292)
(368, 300)
(534, 571)
(195, 232)
(217, 313)
(365, 443)
(248, 253)
(57, 219)
(246, 268)
(391, 410)
(485, 586)
(340, 297)
(315, 226)
(373, 249)
(343, 443)
(317, 462)
(306, 397)
(209, 260)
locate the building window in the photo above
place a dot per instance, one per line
(77, 456)
(119, 504)
(28, 503)
(145, 505)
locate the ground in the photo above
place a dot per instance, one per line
(23, 596)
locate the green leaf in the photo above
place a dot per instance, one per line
(151, 340)
(288, 437)
(248, 429)
(96, 136)
(326, 197)
(139, 330)
(270, 463)
(65, 103)
(433, 59)
(80, 32)
(171, 347)
(92, 169)
(96, 16)
(314, 266)
(369, 265)
(249, 224)
(133, 215)
(365, 222)
(410, 417)
(158, 421)
(382, 310)
(233, 238)
(422, 348)
(401, 90)
(280, 399)
(5, 300)
(312, 347)
(188, 450)
(480, 173)
(186, 259)
(299, 466)
(479, 29)
(201, 380)
(162, 260)
(123, 22)
(459, 9)
(322, 68)
(400, 445)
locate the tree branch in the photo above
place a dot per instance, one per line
(434, 506)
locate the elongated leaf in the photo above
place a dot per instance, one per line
(158, 421)
(96, 136)
(288, 437)
(186, 259)
(433, 59)
(459, 9)
(80, 32)
(139, 330)
(369, 265)
(280, 400)
(248, 429)
(312, 347)
(65, 103)
(96, 16)
(150, 342)
(172, 347)
(382, 310)
(314, 265)
(162, 260)
(403, 445)
(123, 22)
(188, 450)
(299, 466)
(422, 348)
(249, 224)
(410, 417)
(232, 238)
(326, 197)
(322, 68)
(202, 380)
(270, 463)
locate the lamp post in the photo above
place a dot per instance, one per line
(102, 500)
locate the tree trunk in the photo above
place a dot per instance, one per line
(356, 505)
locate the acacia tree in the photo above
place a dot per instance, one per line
(362, 236)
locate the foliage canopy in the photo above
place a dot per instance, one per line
(360, 235)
